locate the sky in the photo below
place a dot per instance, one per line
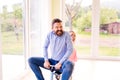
(89, 2)
(9, 3)
(84, 3)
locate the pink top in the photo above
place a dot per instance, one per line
(73, 56)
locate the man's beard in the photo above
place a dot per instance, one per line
(59, 32)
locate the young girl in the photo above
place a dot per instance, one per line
(73, 56)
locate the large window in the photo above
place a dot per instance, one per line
(82, 18)
(109, 28)
(12, 31)
(78, 19)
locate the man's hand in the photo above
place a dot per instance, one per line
(47, 64)
(58, 66)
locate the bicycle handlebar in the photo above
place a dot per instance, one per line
(52, 69)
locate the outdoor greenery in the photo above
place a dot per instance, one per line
(104, 50)
(106, 16)
(11, 19)
(11, 28)
(13, 46)
(10, 43)
(81, 23)
(12, 34)
(80, 17)
(109, 51)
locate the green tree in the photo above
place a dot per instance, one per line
(108, 15)
(5, 12)
(84, 21)
(5, 24)
(72, 11)
(17, 11)
(17, 15)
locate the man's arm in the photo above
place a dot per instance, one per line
(45, 47)
(69, 49)
(45, 51)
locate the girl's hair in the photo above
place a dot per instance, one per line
(73, 34)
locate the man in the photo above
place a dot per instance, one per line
(61, 48)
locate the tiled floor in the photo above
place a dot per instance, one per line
(84, 70)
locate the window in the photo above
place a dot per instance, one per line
(12, 33)
(79, 18)
(109, 28)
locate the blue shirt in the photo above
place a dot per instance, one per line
(60, 46)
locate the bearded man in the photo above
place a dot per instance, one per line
(61, 48)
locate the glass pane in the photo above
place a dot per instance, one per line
(110, 28)
(78, 18)
(12, 38)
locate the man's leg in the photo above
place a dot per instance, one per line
(67, 70)
(35, 63)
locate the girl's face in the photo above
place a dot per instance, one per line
(73, 36)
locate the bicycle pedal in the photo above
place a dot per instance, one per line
(57, 76)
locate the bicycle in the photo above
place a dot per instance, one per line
(55, 72)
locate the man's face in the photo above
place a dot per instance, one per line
(57, 28)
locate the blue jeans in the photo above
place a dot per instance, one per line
(36, 63)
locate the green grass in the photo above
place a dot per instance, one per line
(83, 50)
(103, 51)
(10, 44)
(108, 36)
(109, 51)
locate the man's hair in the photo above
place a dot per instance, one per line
(56, 20)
